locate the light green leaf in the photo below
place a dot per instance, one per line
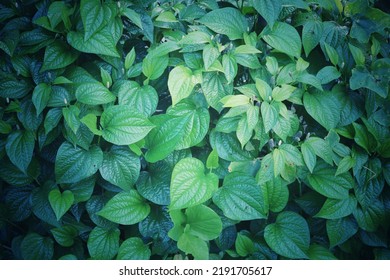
(230, 67)
(123, 125)
(193, 245)
(269, 115)
(74, 164)
(234, 100)
(90, 121)
(20, 148)
(215, 87)
(190, 185)
(240, 198)
(321, 148)
(345, 164)
(58, 55)
(309, 156)
(167, 16)
(41, 96)
(212, 160)
(283, 38)
(203, 222)
(133, 248)
(60, 202)
(153, 66)
(103, 243)
(244, 245)
(125, 208)
(357, 54)
(227, 21)
(318, 252)
(324, 181)
(180, 83)
(282, 93)
(336, 208)
(277, 192)
(71, 117)
(289, 236)
(279, 159)
(268, 9)
(332, 54)
(94, 94)
(130, 58)
(264, 89)
(210, 55)
(120, 167)
(196, 37)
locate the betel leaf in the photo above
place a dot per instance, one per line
(324, 181)
(190, 185)
(125, 208)
(203, 222)
(123, 125)
(269, 115)
(93, 16)
(240, 198)
(60, 202)
(277, 194)
(65, 235)
(74, 164)
(180, 83)
(94, 94)
(103, 243)
(41, 96)
(20, 148)
(318, 252)
(340, 230)
(71, 117)
(268, 9)
(336, 209)
(244, 245)
(311, 35)
(120, 167)
(58, 55)
(197, 123)
(215, 87)
(37, 247)
(193, 245)
(283, 38)
(324, 107)
(133, 248)
(289, 236)
(227, 21)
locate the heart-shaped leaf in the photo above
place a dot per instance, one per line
(60, 202)
(190, 186)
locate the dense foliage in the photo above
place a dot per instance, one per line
(249, 129)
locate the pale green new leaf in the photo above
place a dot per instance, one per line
(180, 83)
(60, 202)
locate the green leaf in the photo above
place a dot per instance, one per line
(362, 78)
(268, 9)
(357, 54)
(153, 66)
(289, 236)
(332, 54)
(215, 87)
(311, 35)
(309, 156)
(65, 235)
(37, 247)
(210, 55)
(103, 243)
(123, 125)
(190, 185)
(126, 208)
(144, 99)
(324, 181)
(227, 21)
(74, 164)
(321, 148)
(240, 198)
(130, 58)
(269, 115)
(212, 160)
(324, 107)
(191, 244)
(279, 161)
(60, 202)
(283, 38)
(92, 16)
(277, 194)
(282, 93)
(340, 230)
(90, 121)
(234, 100)
(345, 164)
(120, 167)
(41, 96)
(328, 74)
(230, 67)
(244, 245)
(133, 249)
(318, 252)
(180, 83)
(71, 117)
(336, 209)
(196, 37)
(167, 16)
(363, 137)
(20, 148)
(94, 94)
(203, 222)
(58, 55)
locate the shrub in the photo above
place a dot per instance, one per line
(194, 129)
